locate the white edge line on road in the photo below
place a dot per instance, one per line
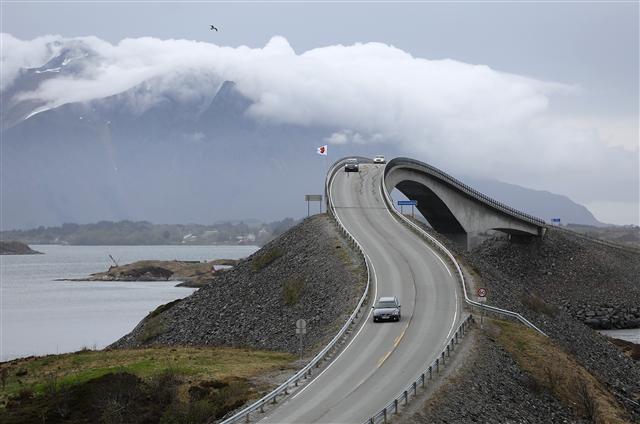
(455, 315)
(443, 264)
(352, 340)
(375, 293)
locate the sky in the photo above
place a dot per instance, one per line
(548, 91)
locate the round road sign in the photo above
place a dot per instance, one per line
(482, 292)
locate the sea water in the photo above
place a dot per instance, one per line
(40, 316)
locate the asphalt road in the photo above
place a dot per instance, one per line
(381, 358)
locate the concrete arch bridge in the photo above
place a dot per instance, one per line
(456, 210)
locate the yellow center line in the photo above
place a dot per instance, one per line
(395, 345)
(399, 338)
(384, 358)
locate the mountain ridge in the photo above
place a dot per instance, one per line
(151, 154)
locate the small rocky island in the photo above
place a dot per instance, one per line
(16, 248)
(191, 273)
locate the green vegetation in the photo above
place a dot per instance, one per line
(155, 385)
(162, 308)
(292, 290)
(153, 327)
(264, 259)
(558, 371)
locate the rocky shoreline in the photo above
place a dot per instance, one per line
(16, 248)
(190, 273)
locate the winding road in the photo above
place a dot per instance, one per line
(382, 358)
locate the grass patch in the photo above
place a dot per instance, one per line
(264, 259)
(110, 382)
(292, 290)
(553, 368)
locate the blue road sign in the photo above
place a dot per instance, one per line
(407, 203)
(555, 219)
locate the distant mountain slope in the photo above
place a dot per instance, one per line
(154, 154)
(542, 204)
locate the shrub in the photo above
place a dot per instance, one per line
(536, 304)
(152, 329)
(263, 260)
(291, 291)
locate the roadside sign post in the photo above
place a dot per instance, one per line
(556, 221)
(411, 203)
(482, 297)
(313, 198)
(301, 329)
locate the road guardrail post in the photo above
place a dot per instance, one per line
(406, 397)
(395, 406)
(384, 415)
(415, 389)
(422, 380)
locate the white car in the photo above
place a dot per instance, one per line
(379, 159)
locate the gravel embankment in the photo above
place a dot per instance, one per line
(596, 284)
(546, 280)
(491, 388)
(308, 272)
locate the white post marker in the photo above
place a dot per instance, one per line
(301, 329)
(482, 297)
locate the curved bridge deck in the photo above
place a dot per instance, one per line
(455, 209)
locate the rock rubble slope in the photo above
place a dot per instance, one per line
(309, 272)
(548, 280)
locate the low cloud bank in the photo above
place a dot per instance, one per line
(464, 118)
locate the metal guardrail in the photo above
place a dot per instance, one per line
(433, 241)
(631, 249)
(306, 371)
(443, 176)
(411, 390)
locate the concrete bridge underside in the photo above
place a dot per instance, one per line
(463, 218)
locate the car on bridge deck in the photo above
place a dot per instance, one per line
(379, 159)
(351, 165)
(386, 309)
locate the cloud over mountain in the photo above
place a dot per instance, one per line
(462, 117)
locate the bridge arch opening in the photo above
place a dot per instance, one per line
(434, 210)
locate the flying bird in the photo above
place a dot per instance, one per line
(212, 28)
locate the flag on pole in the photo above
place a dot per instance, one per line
(322, 150)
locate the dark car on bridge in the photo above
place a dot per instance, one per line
(351, 165)
(386, 309)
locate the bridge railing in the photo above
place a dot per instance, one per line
(327, 352)
(411, 389)
(434, 242)
(448, 179)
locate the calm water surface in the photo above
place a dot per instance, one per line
(41, 316)
(631, 335)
